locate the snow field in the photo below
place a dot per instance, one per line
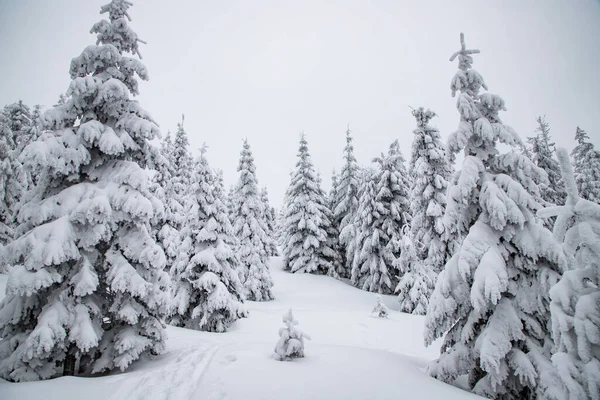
(352, 354)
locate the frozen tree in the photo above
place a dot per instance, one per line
(380, 309)
(491, 301)
(337, 269)
(430, 171)
(417, 277)
(177, 171)
(20, 122)
(182, 163)
(269, 218)
(586, 162)
(250, 230)
(220, 186)
(62, 99)
(208, 294)
(87, 288)
(542, 152)
(166, 229)
(345, 205)
(575, 305)
(13, 182)
(230, 202)
(306, 220)
(381, 215)
(291, 340)
(393, 190)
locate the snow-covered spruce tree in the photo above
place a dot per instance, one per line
(417, 277)
(291, 340)
(160, 187)
(337, 269)
(382, 213)
(13, 183)
(182, 163)
(346, 204)
(269, 218)
(542, 152)
(380, 309)
(250, 231)
(20, 122)
(88, 287)
(586, 163)
(229, 202)
(491, 301)
(208, 294)
(306, 220)
(575, 305)
(430, 171)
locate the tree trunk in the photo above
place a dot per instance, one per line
(70, 361)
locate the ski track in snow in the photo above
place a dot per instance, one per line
(178, 380)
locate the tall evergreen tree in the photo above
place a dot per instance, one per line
(430, 171)
(491, 302)
(88, 287)
(306, 219)
(208, 294)
(542, 152)
(13, 183)
(586, 162)
(20, 123)
(382, 214)
(269, 218)
(346, 204)
(417, 277)
(425, 250)
(576, 297)
(250, 230)
(333, 233)
(166, 230)
(182, 162)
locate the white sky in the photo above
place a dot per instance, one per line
(267, 69)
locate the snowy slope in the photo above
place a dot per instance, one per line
(352, 355)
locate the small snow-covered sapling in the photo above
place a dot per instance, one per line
(380, 309)
(291, 340)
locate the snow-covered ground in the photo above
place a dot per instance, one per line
(352, 355)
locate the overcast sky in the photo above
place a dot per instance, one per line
(267, 70)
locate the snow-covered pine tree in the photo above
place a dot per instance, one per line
(229, 202)
(88, 288)
(208, 294)
(220, 186)
(250, 230)
(575, 305)
(586, 163)
(13, 183)
(382, 213)
(337, 269)
(291, 340)
(269, 218)
(306, 220)
(62, 99)
(430, 171)
(491, 301)
(542, 152)
(346, 205)
(417, 277)
(20, 122)
(182, 163)
(166, 230)
(380, 309)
